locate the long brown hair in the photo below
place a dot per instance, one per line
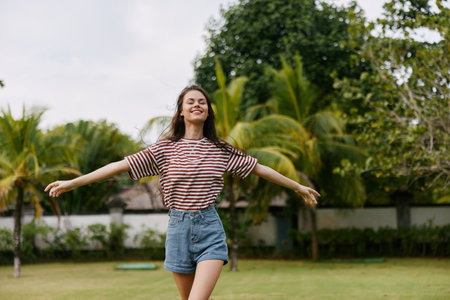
(177, 126)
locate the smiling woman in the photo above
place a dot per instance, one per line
(191, 163)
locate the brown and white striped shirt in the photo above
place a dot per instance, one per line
(191, 170)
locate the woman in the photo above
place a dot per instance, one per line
(191, 163)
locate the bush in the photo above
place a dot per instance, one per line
(98, 234)
(150, 238)
(425, 240)
(116, 241)
(6, 240)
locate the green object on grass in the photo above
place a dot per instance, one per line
(136, 266)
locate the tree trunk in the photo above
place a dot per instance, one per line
(314, 241)
(233, 222)
(17, 231)
(402, 199)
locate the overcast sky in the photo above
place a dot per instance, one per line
(123, 61)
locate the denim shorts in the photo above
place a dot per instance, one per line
(193, 236)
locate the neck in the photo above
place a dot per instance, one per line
(193, 132)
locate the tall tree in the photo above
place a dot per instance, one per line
(245, 135)
(250, 35)
(328, 148)
(28, 160)
(405, 123)
(96, 144)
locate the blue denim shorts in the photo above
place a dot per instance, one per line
(193, 236)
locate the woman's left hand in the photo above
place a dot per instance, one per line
(307, 194)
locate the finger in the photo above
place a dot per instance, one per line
(50, 186)
(315, 192)
(54, 192)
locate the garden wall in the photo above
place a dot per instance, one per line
(264, 233)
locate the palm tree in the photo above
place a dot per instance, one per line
(329, 147)
(96, 144)
(272, 151)
(28, 160)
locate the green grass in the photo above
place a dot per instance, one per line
(256, 279)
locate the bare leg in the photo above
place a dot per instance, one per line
(184, 284)
(206, 276)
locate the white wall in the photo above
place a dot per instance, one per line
(439, 215)
(264, 232)
(358, 218)
(138, 223)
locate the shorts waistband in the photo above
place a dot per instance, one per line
(177, 212)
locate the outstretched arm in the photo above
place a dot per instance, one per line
(270, 174)
(58, 187)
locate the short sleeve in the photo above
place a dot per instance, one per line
(240, 164)
(144, 163)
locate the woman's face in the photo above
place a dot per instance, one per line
(195, 107)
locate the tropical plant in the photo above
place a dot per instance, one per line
(248, 136)
(96, 144)
(327, 148)
(28, 160)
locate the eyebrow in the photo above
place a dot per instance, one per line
(194, 99)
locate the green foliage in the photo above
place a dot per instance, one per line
(96, 144)
(399, 108)
(6, 240)
(324, 145)
(150, 238)
(270, 139)
(250, 35)
(29, 158)
(75, 241)
(117, 236)
(98, 234)
(244, 222)
(424, 240)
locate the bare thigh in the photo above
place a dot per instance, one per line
(206, 275)
(199, 285)
(184, 284)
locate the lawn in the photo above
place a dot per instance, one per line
(256, 279)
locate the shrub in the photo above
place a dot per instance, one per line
(424, 240)
(6, 240)
(98, 234)
(150, 238)
(116, 239)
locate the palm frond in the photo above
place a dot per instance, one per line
(280, 124)
(324, 123)
(241, 135)
(258, 111)
(158, 125)
(272, 157)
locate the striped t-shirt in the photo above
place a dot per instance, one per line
(191, 170)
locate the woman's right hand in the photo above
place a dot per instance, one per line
(56, 188)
